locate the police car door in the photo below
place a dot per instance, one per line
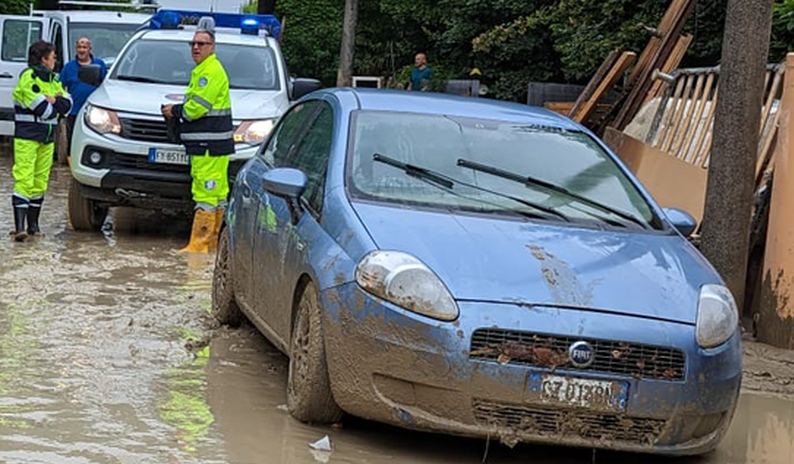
(17, 33)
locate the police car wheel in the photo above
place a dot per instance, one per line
(84, 214)
(309, 397)
(224, 306)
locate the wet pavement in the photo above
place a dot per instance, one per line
(108, 355)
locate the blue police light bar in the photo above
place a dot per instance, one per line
(247, 23)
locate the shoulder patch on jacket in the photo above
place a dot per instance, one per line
(202, 81)
(36, 88)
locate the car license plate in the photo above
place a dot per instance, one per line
(575, 392)
(168, 156)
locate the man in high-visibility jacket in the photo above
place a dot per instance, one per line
(206, 131)
(39, 99)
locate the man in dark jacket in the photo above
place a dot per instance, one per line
(77, 89)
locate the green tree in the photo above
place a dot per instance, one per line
(18, 7)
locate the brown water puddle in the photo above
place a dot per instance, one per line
(94, 367)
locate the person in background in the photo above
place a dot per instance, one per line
(421, 74)
(205, 127)
(77, 89)
(39, 99)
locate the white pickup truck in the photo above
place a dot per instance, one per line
(108, 31)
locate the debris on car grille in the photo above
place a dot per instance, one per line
(529, 421)
(144, 130)
(551, 351)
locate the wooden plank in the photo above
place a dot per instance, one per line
(683, 11)
(618, 70)
(594, 81)
(767, 149)
(670, 65)
(688, 153)
(652, 47)
(679, 114)
(670, 113)
(707, 128)
(687, 118)
(770, 99)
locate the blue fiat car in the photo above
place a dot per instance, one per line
(476, 268)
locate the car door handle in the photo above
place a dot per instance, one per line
(6, 75)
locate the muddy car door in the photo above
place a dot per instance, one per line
(17, 33)
(285, 140)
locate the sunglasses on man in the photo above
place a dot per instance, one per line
(196, 43)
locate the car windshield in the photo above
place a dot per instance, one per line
(107, 40)
(169, 62)
(564, 171)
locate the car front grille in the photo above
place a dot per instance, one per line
(122, 161)
(561, 423)
(144, 130)
(551, 351)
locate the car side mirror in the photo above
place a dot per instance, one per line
(285, 182)
(682, 221)
(90, 74)
(301, 87)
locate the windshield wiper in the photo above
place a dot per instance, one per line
(532, 181)
(147, 80)
(414, 171)
(448, 183)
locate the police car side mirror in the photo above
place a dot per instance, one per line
(90, 74)
(301, 87)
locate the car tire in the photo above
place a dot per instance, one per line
(309, 397)
(85, 214)
(224, 306)
(62, 142)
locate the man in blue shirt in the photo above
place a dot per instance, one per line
(421, 74)
(79, 90)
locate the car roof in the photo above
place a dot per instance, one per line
(453, 105)
(77, 16)
(222, 35)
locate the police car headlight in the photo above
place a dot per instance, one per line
(253, 132)
(718, 317)
(102, 120)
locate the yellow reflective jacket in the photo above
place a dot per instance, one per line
(206, 115)
(34, 117)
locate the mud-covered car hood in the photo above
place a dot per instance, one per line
(136, 97)
(655, 275)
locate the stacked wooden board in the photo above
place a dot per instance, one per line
(664, 52)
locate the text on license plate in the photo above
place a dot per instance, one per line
(579, 393)
(168, 156)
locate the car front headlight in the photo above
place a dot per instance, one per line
(102, 120)
(253, 132)
(718, 317)
(405, 281)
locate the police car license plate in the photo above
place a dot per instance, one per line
(557, 390)
(157, 155)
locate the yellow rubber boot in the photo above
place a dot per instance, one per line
(201, 236)
(217, 231)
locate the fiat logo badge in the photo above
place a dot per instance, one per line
(581, 354)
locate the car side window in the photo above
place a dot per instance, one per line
(18, 35)
(57, 41)
(312, 156)
(286, 135)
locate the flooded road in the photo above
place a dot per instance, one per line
(108, 355)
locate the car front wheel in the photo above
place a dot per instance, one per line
(309, 396)
(84, 214)
(224, 306)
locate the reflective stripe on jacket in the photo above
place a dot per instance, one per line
(35, 118)
(206, 115)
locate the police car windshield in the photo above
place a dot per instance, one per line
(169, 62)
(107, 40)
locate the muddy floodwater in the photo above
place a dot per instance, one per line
(108, 355)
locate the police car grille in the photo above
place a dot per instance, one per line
(145, 130)
(532, 422)
(551, 351)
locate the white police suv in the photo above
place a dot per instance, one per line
(121, 154)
